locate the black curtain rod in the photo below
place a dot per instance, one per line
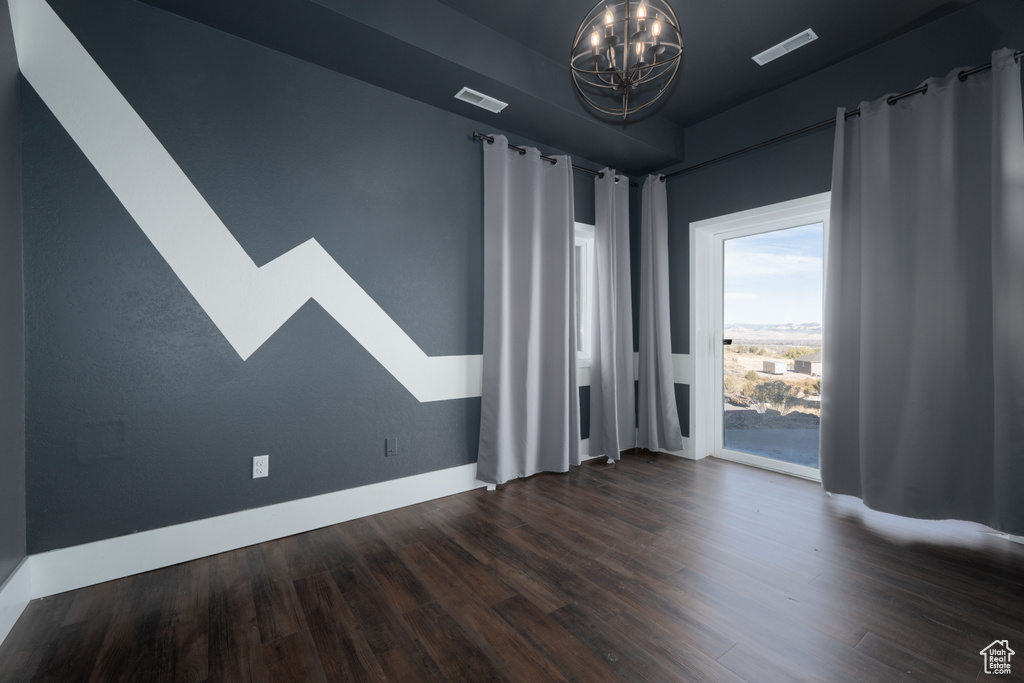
(963, 75)
(599, 174)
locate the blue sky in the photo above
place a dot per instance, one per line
(774, 277)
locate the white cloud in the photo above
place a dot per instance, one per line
(759, 264)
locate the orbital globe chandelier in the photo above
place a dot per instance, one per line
(625, 55)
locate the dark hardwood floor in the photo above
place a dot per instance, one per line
(654, 569)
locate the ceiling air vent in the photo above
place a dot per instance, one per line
(797, 41)
(481, 100)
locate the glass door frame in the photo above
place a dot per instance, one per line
(706, 318)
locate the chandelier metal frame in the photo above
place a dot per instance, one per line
(625, 55)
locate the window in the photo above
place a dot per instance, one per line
(585, 290)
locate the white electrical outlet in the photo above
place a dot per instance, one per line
(260, 466)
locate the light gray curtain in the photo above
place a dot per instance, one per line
(657, 418)
(612, 399)
(529, 412)
(923, 386)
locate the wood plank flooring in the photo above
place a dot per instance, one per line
(653, 569)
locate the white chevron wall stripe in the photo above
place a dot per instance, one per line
(248, 304)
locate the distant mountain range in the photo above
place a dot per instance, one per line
(784, 332)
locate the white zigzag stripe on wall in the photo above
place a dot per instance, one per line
(248, 304)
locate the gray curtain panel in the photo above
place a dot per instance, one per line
(529, 413)
(923, 386)
(657, 417)
(612, 402)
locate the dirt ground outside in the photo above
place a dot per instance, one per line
(744, 371)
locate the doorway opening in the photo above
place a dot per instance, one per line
(756, 335)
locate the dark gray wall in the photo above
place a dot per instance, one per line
(139, 413)
(803, 166)
(12, 342)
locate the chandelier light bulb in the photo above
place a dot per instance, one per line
(608, 18)
(656, 28)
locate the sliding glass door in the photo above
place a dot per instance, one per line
(756, 335)
(771, 360)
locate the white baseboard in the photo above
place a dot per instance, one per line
(15, 594)
(686, 453)
(83, 565)
(66, 569)
(1009, 537)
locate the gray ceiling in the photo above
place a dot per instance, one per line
(517, 51)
